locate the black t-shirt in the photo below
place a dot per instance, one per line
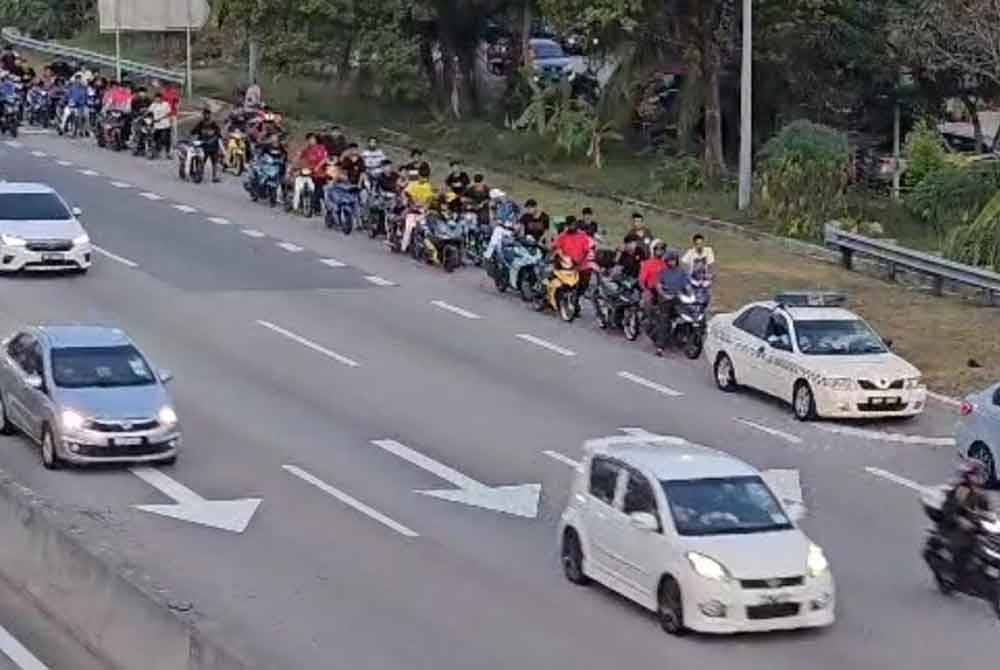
(354, 166)
(140, 104)
(8, 61)
(208, 132)
(478, 193)
(458, 182)
(388, 182)
(410, 169)
(536, 225)
(631, 262)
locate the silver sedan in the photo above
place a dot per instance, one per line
(977, 434)
(86, 394)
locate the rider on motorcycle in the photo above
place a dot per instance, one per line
(458, 179)
(76, 100)
(629, 260)
(419, 195)
(574, 244)
(373, 157)
(963, 503)
(673, 281)
(311, 158)
(208, 132)
(649, 273)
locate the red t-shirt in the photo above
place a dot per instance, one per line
(576, 246)
(313, 157)
(649, 272)
(173, 98)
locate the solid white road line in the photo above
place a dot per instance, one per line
(379, 281)
(151, 196)
(187, 209)
(18, 653)
(288, 246)
(562, 458)
(309, 344)
(39, 154)
(897, 438)
(332, 262)
(114, 257)
(89, 173)
(788, 437)
(65, 163)
(545, 344)
(896, 479)
(642, 381)
(250, 232)
(455, 310)
(218, 220)
(944, 399)
(121, 184)
(13, 144)
(373, 514)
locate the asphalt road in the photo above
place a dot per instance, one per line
(282, 359)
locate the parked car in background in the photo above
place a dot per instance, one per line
(977, 433)
(549, 59)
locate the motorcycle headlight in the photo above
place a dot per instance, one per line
(913, 383)
(167, 416)
(816, 562)
(72, 420)
(709, 568)
(12, 241)
(840, 383)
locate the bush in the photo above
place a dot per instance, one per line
(802, 178)
(953, 196)
(924, 152)
(678, 174)
(978, 243)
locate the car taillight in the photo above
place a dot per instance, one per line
(966, 408)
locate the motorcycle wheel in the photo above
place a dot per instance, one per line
(272, 196)
(240, 166)
(631, 324)
(197, 171)
(13, 131)
(346, 222)
(695, 343)
(376, 227)
(307, 205)
(526, 285)
(451, 259)
(331, 219)
(603, 311)
(567, 305)
(500, 282)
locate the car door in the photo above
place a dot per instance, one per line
(748, 352)
(640, 552)
(36, 400)
(778, 362)
(603, 492)
(990, 431)
(12, 383)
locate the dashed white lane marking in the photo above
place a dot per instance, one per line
(218, 220)
(114, 257)
(89, 173)
(642, 381)
(65, 163)
(896, 438)
(378, 281)
(562, 458)
(788, 437)
(13, 144)
(332, 262)
(18, 653)
(151, 196)
(250, 232)
(187, 209)
(39, 154)
(121, 184)
(455, 310)
(309, 344)
(545, 344)
(373, 514)
(896, 479)
(944, 399)
(289, 247)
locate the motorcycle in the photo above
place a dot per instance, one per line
(191, 161)
(74, 122)
(112, 130)
(381, 206)
(306, 197)
(439, 241)
(617, 303)
(236, 152)
(341, 207)
(685, 330)
(558, 289)
(517, 263)
(9, 117)
(264, 178)
(145, 142)
(38, 107)
(477, 237)
(981, 577)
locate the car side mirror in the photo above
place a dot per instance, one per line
(645, 522)
(34, 381)
(887, 342)
(796, 510)
(165, 375)
(77, 211)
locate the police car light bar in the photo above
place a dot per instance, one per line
(811, 299)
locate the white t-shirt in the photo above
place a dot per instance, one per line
(161, 115)
(692, 257)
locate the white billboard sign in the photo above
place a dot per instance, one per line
(152, 15)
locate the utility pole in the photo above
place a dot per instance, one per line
(895, 151)
(118, 41)
(746, 108)
(190, 83)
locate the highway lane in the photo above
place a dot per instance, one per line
(469, 393)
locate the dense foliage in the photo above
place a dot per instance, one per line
(953, 195)
(978, 242)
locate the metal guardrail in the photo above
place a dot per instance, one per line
(14, 36)
(898, 258)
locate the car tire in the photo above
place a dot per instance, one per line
(725, 374)
(572, 559)
(803, 402)
(984, 455)
(50, 455)
(670, 607)
(6, 427)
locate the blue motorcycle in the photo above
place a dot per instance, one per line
(517, 264)
(342, 206)
(264, 178)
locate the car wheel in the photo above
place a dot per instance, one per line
(572, 558)
(982, 453)
(6, 427)
(50, 455)
(803, 402)
(725, 374)
(670, 607)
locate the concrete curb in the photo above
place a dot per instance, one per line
(51, 554)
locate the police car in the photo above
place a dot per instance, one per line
(806, 349)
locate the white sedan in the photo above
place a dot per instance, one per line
(824, 360)
(38, 231)
(694, 535)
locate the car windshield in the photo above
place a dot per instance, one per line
(843, 337)
(547, 50)
(82, 367)
(32, 207)
(724, 506)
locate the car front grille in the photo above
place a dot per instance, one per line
(775, 583)
(882, 407)
(772, 611)
(122, 425)
(869, 385)
(121, 451)
(49, 245)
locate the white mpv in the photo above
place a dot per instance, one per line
(694, 535)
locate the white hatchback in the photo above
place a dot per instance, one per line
(693, 534)
(38, 231)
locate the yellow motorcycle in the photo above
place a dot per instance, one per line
(560, 290)
(236, 152)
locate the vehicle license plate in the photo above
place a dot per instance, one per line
(128, 441)
(53, 257)
(885, 400)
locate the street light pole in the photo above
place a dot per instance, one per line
(746, 108)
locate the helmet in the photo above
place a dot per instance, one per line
(973, 471)
(496, 194)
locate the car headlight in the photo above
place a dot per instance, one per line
(11, 241)
(72, 420)
(709, 568)
(913, 383)
(816, 562)
(81, 239)
(167, 416)
(840, 383)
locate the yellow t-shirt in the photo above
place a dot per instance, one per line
(420, 192)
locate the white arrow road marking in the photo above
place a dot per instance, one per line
(332, 262)
(89, 173)
(18, 653)
(309, 344)
(218, 220)
(65, 163)
(39, 154)
(787, 437)
(897, 438)
(289, 247)
(250, 232)
(902, 481)
(151, 196)
(378, 281)
(350, 501)
(114, 257)
(35, 131)
(121, 184)
(231, 515)
(642, 381)
(517, 500)
(455, 310)
(545, 344)
(187, 209)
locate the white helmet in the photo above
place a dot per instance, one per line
(496, 194)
